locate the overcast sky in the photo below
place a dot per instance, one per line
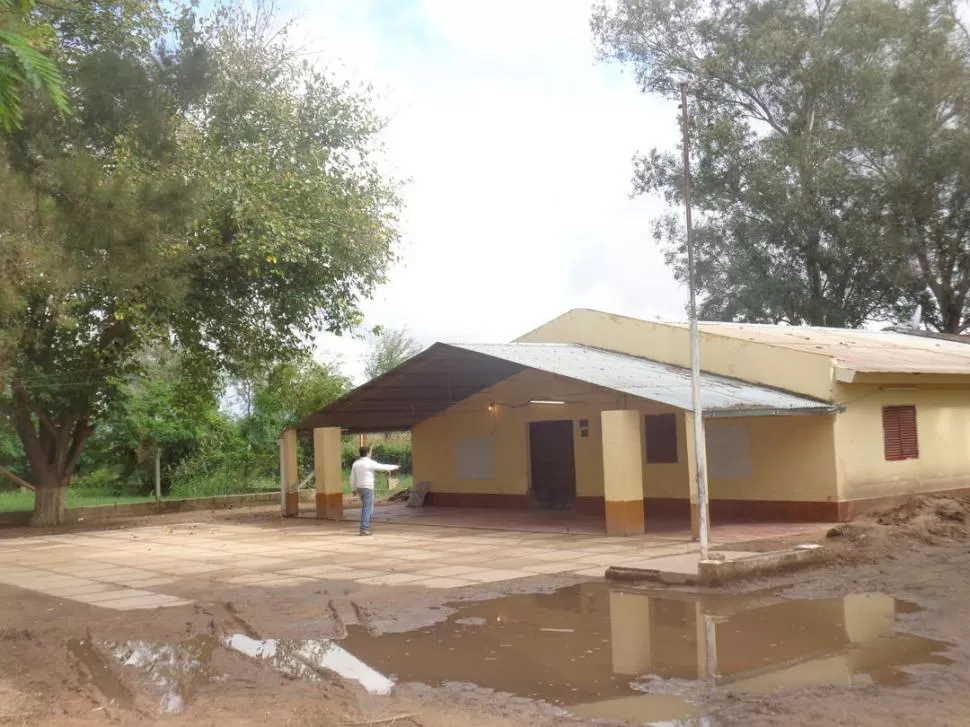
(516, 149)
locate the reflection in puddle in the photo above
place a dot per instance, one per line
(308, 659)
(619, 654)
(175, 671)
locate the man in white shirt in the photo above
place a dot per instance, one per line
(362, 485)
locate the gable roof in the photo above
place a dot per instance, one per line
(860, 350)
(863, 351)
(445, 374)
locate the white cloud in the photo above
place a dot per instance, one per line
(518, 148)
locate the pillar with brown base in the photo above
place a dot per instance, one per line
(289, 477)
(328, 474)
(695, 526)
(630, 632)
(623, 472)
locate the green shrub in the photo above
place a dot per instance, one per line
(100, 479)
(398, 453)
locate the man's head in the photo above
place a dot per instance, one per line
(365, 451)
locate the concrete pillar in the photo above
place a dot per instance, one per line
(695, 526)
(630, 633)
(623, 472)
(289, 477)
(328, 473)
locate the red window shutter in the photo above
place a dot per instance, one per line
(890, 433)
(899, 435)
(908, 440)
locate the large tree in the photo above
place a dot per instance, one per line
(788, 101)
(391, 348)
(211, 193)
(913, 143)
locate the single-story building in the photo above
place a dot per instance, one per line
(592, 411)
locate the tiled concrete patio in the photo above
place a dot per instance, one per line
(130, 569)
(566, 521)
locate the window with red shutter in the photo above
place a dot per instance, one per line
(661, 435)
(900, 440)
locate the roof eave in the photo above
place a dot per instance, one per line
(772, 412)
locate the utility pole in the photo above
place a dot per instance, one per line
(700, 450)
(158, 474)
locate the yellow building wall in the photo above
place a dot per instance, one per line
(943, 432)
(792, 458)
(507, 423)
(804, 373)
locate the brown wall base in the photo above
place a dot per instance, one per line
(291, 504)
(590, 505)
(779, 511)
(330, 505)
(624, 518)
(786, 511)
(477, 499)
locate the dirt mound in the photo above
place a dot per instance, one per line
(929, 519)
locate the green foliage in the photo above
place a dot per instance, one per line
(276, 398)
(828, 153)
(398, 453)
(212, 194)
(23, 62)
(11, 455)
(392, 348)
(157, 410)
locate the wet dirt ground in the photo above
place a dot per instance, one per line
(878, 636)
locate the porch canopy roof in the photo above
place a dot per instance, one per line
(446, 374)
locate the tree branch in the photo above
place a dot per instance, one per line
(16, 480)
(79, 437)
(25, 428)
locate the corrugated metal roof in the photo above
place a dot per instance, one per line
(859, 350)
(446, 374)
(664, 383)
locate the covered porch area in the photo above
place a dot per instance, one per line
(566, 438)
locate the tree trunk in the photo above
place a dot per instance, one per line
(53, 447)
(49, 500)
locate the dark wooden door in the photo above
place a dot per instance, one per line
(552, 463)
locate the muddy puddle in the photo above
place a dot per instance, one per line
(312, 660)
(589, 650)
(173, 673)
(645, 657)
(99, 673)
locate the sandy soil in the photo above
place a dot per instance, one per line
(919, 552)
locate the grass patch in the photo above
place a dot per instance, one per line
(17, 501)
